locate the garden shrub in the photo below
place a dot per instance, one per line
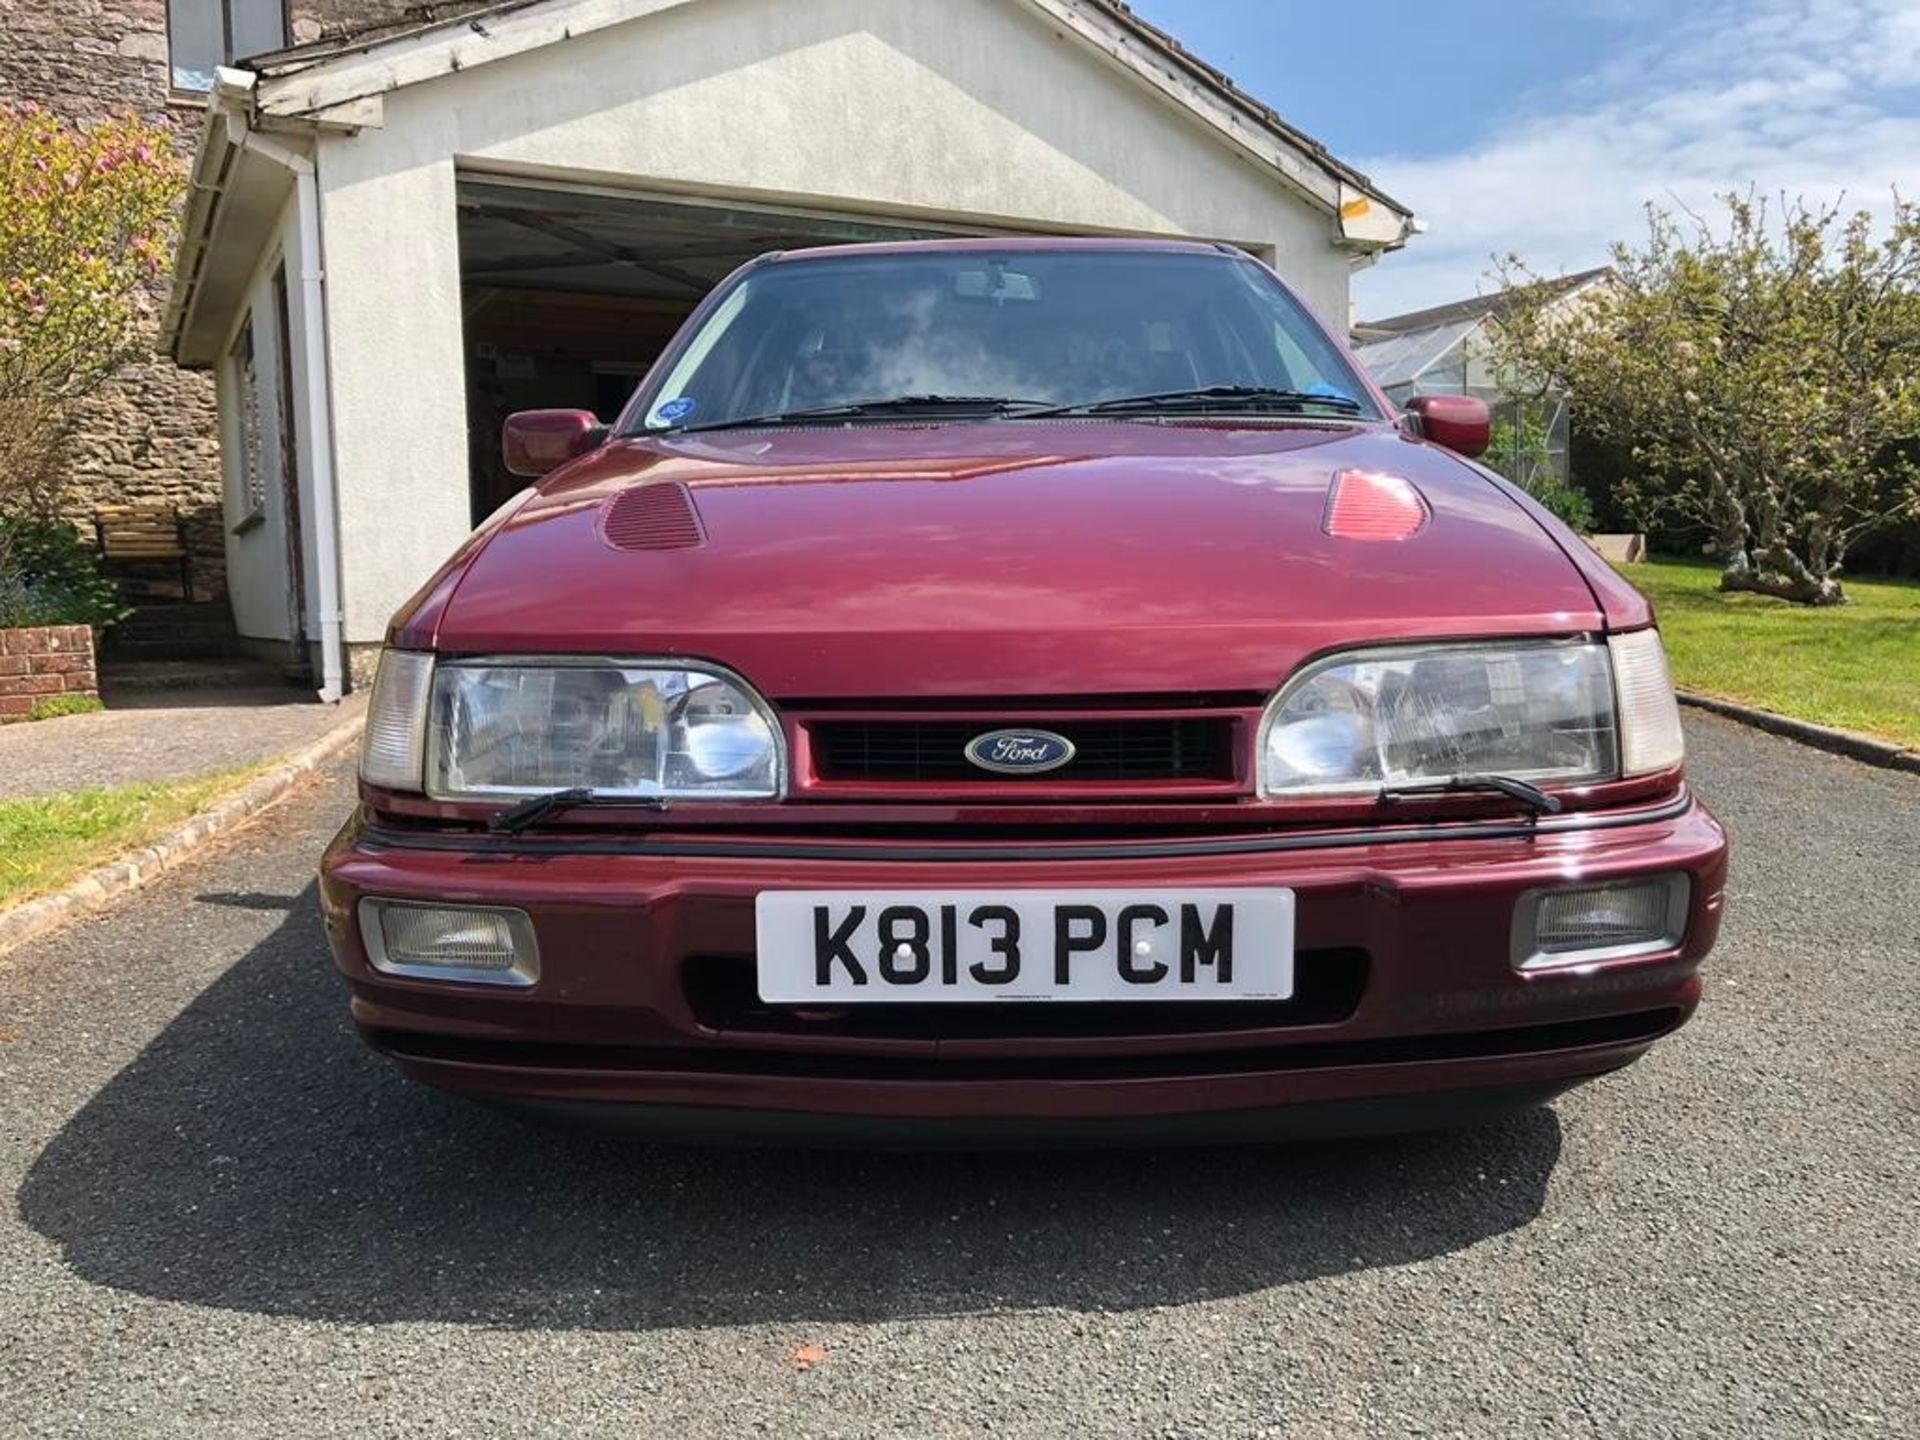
(1568, 503)
(49, 576)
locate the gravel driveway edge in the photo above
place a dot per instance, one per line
(23, 922)
(1821, 737)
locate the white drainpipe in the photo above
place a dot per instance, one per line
(233, 92)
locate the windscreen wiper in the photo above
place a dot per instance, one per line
(1532, 796)
(1236, 397)
(856, 409)
(535, 808)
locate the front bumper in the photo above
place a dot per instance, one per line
(1409, 1011)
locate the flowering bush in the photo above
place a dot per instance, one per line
(1762, 376)
(87, 220)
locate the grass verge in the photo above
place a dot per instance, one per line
(1854, 666)
(51, 840)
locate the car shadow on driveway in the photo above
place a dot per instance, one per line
(255, 1158)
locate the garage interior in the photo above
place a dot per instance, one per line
(568, 295)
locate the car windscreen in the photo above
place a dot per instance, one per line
(1062, 327)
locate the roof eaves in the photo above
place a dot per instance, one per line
(348, 39)
(1481, 306)
(1223, 85)
(207, 179)
(286, 93)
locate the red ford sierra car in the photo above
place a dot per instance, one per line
(997, 690)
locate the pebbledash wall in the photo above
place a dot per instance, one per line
(151, 435)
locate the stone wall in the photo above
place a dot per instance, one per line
(83, 58)
(151, 435)
(40, 663)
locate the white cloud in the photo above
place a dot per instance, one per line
(1811, 97)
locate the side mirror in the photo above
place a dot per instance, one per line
(536, 441)
(1459, 422)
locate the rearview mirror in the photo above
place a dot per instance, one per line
(1459, 422)
(536, 441)
(995, 283)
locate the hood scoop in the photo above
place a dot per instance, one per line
(656, 516)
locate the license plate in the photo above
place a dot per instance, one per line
(968, 945)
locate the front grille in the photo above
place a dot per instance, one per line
(1639, 1028)
(1180, 747)
(723, 995)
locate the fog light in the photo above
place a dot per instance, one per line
(1616, 920)
(479, 944)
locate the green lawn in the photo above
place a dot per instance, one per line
(46, 842)
(1853, 666)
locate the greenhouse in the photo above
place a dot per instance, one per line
(1444, 351)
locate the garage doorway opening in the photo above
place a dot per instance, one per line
(568, 295)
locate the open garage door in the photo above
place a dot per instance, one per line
(568, 294)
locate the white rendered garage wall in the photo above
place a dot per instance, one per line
(397, 378)
(973, 112)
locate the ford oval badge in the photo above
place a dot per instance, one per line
(1019, 752)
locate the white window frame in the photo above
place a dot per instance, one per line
(227, 56)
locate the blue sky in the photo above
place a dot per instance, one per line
(1543, 127)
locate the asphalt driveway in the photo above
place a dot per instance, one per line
(226, 1219)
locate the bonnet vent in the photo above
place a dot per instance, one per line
(659, 516)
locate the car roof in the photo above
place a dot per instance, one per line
(1038, 243)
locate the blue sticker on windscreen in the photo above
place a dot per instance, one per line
(1332, 392)
(677, 408)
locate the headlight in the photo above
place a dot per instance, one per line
(1532, 710)
(501, 728)
(644, 731)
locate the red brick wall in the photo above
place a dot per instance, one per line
(38, 663)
